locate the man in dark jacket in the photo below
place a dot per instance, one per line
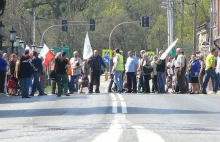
(161, 67)
(61, 66)
(38, 69)
(26, 71)
(95, 64)
(3, 65)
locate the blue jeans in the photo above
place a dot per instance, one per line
(161, 81)
(74, 82)
(36, 85)
(210, 73)
(25, 87)
(118, 80)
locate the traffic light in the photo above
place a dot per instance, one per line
(92, 24)
(145, 22)
(64, 26)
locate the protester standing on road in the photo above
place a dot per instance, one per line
(180, 71)
(26, 72)
(140, 80)
(131, 69)
(12, 64)
(111, 75)
(7, 76)
(61, 65)
(96, 71)
(154, 74)
(76, 66)
(210, 71)
(202, 70)
(118, 69)
(169, 73)
(146, 73)
(161, 67)
(194, 69)
(38, 70)
(3, 69)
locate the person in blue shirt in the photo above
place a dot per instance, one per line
(3, 69)
(38, 69)
(194, 69)
(131, 69)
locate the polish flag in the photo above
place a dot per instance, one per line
(30, 51)
(47, 55)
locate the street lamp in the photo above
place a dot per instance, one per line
(12, 39)
(21, 43)
(39, 48)
(2, 31)
(33, 47)
(16, 43)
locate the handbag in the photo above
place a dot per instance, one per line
(11, 83)
(53, 75)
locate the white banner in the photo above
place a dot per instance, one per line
(87, 51)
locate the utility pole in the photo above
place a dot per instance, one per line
(195, 25)
(182, 25)
(168, 21)
(211, 23)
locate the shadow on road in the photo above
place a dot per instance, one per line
(92, 111)
(18, 99)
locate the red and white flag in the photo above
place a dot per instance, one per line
(47, 55)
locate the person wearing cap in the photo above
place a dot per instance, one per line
(118, 69)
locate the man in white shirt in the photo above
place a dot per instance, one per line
(131, 69)
(76, 66)
(180, 71)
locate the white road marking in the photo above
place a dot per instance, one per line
(114, 107)
(114, 132)
(120, 97)
(124, 107)
(113, 97)
(147, 135)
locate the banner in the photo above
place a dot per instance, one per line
(150, 55)
(87, 51)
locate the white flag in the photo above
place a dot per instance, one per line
(87, 51)
(165, 54)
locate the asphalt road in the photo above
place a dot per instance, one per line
(111, 118)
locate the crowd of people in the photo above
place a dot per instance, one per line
(170, 75)
(26, 74)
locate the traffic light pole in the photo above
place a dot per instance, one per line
(118, 26)
(42, 38)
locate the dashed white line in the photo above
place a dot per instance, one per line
(147, 135)
(113, 97)
(114, 107)
(124, 107)
(120, 97)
